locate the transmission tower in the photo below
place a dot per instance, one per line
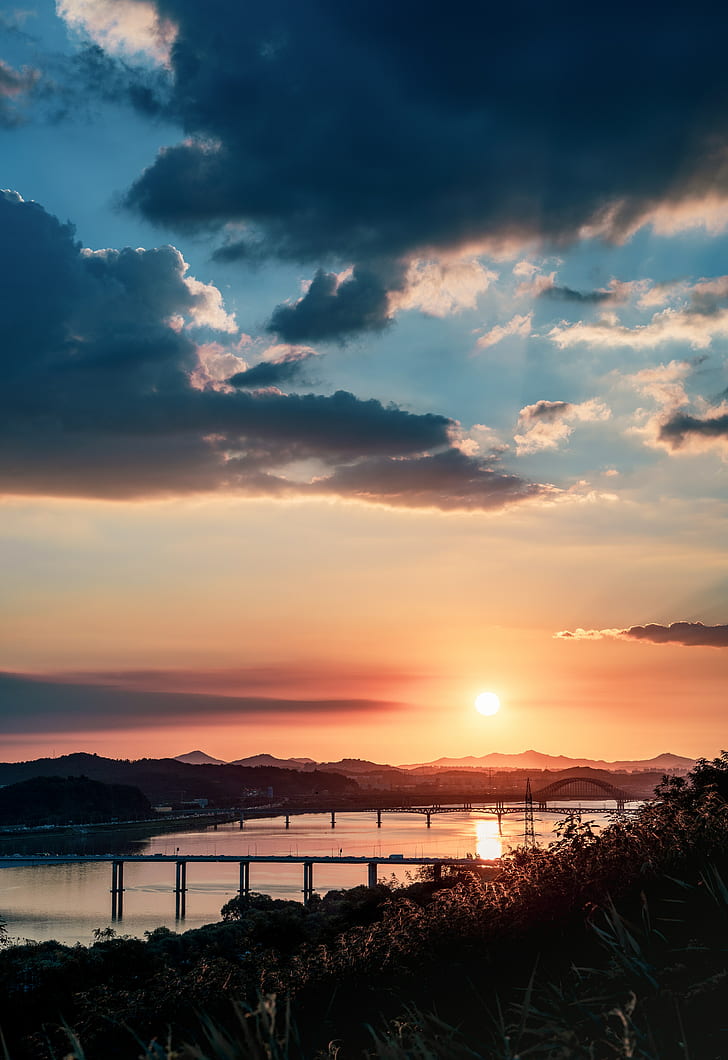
(529, 833)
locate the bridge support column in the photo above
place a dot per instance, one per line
(117, 890)
(242, 822)
(180, 890)
(379, 818)
(244, 886)
(620, 804)
(288, 820)
(333, 819)
(500, 823)
(372, 874)
(307, 882)
(429, 820)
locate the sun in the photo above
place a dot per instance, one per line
(487, 703)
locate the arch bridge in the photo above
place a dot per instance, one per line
(581, 788)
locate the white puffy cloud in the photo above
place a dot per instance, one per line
(670, 325)
(441, 288)
(121, 26)
(520, 324)
(545, 424)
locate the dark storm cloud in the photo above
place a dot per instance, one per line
(49, 706)
(568, 294)
(333, 310)
(450, 481)
(681, 428)
(350, 131)
(690, 634)
(92, 75)
(273, 373)
(15, 85)
(97, 398)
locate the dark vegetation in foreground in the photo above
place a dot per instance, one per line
(602, 946)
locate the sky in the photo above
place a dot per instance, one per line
(357, 359)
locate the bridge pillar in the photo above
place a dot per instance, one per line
(244, 886)
(620, 804)
(500, 823)
(307, 882)
(372, 874)
(117, 890)
(379, 818)
(242, 821)
(429, 819)
(180, 890)
(333, 819)
(288, 820)
(541, 805)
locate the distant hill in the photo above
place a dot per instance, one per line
(271, 760)
(199, 758)
(538, 760)
(354, 766)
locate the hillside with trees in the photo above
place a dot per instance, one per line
(605, 944)
(70, 800)
(165, 780)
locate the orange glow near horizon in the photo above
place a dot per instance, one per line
(382, 612)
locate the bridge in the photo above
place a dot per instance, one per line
(243, 863)
(580, 788)
(498, 809)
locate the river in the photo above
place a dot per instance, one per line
(69, 902)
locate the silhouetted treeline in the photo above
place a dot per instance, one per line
(70, 800)
(607, 944)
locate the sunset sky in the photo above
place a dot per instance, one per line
(359, 358)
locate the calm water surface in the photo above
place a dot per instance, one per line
(68, 902)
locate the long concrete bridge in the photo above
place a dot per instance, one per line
(181, 862)
(498, 809)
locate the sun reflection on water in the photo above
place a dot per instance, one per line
(489, 844)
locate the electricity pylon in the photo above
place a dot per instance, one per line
(529, 833)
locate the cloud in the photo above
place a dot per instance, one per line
(451, 480)
(58, 706)
(333, 309)
(671, 325)
(284, 369)
(337, 306)
(338, 135)
(568, 294)
(547, 423)
(702, 318)
(664, 383)
(15, 85)
(695, 432)
(674, 426)
(517, 325)
(116, 368)
(690, 634)
(382, 137)
(442, 288)
(121, 26)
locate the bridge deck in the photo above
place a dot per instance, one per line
(236, 859)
